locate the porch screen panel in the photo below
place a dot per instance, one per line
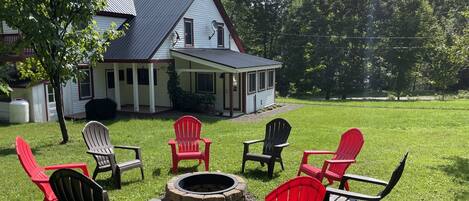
(205, 83)
(252, 82)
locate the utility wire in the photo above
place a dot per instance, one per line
(350, 37)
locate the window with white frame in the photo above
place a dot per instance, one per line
(188, 32)
(85, 85)
(220, 35)
(252, 82)
(271, 79)
(262, 80)
(50, 94)
(205, 82)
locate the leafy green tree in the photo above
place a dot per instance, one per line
(62, 34)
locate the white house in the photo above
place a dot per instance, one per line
(195, 35)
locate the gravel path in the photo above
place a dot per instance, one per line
(259, 116)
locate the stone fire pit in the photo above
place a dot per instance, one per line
(207, 186)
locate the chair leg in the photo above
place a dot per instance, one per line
(175, 166)
(95, 173)
(271, 167)
(281, 164)
(347, 187)
(207, 164)
(299, 171)
(200, 161)
(243, 166)
(117, 178)
(141, 171)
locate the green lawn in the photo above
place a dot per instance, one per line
(435, 133)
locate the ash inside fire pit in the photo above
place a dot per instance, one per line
(203, 184)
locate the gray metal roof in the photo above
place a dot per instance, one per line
(125, 7)
(228, 57)
(147, 31)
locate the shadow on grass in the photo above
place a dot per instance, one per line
(109, 184)
(36, 150)
(183, 170)
(171, 116)
(458, 168)
(258, 174)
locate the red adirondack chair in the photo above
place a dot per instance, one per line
(299, 189)
(350, 145)
(37, 173)
(187, 129)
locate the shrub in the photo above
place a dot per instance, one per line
(190, 102)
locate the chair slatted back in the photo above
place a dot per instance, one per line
(70, 185)
(396, 176)
(350, 145)
(298, 189)
(277, 132)
(97, 139)
(26, 158)
(187, 129)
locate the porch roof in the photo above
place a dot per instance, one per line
(225, 59)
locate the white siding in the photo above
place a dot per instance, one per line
(8, 30)
(203, 12)
(71, 98)
(104, 22)
(260, 99)
(4, 111)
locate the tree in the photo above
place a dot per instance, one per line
(62, 34)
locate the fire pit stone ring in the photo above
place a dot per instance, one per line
(206, 186)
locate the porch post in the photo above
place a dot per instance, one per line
(231, 95)
(135, 87)
(151, 85)
(117, 91)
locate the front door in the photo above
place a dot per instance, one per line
(110, 85)
(236, 91)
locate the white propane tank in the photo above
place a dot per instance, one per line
(19, 111)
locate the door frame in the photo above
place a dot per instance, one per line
(240, 86)
(106, 84)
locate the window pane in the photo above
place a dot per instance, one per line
(220, 36)
(205, 82)
(271, 78)
(130, 76)
(252, 82)
(85, 90)
(261, 80)
(188, 32)
(143, 78)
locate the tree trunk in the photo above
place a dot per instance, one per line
(328, 95)
(60, 113)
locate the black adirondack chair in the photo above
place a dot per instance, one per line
(276, 136)
(68, 184)
(99, 145)
(342, 195)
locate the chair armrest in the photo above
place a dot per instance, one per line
(172, 142)
(365, 179)
(138, 154)
(206, 140)
(313, 152)
(326, 164)
(252, 142)
(349, 194)
(81, 166)
(127, 147)
(39, 180)
(99, 154)
(282, 145)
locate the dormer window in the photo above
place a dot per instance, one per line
(221, 35)
(188, 32)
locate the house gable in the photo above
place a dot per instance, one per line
(202, 12)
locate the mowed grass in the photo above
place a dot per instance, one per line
(435, 133)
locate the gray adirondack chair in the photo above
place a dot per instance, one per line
(340, 194)
(68, 184)
(276, 136)
(96, 137)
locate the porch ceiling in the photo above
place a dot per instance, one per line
(225, 60)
